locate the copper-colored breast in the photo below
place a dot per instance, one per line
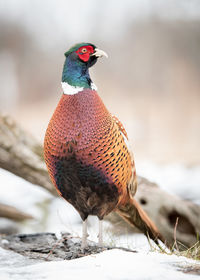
(86, 154)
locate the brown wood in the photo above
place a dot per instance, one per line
(13, 213)
(164, 209)
(22, 155)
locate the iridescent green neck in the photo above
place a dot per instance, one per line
(76, 73)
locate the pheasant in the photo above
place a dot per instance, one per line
(86, 150)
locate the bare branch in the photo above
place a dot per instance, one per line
(13, 213)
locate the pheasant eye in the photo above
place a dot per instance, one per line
(84, 50)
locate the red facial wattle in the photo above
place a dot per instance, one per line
(85, 52)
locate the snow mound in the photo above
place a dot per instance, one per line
(114, 264)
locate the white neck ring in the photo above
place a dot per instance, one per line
(71, 90)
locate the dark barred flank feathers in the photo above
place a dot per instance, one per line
(87, 154)
(86, 149)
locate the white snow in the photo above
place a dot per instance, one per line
(174, 178)
(114, 264)
(56, 215)
(20, 193)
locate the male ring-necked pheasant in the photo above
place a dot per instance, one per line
(86, 149)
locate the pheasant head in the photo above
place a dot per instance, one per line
(79, 59)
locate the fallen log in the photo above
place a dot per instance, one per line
(46, 246)
(10, 212)
(22, 155)
(177, 219)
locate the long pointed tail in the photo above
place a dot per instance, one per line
(136, 216)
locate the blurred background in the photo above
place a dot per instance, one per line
(151, 79)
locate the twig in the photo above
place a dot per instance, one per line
(175, 240)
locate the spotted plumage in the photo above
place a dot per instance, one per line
(86, 154)
(86, 149)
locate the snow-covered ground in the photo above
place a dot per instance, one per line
(113, 265)
(55, 215)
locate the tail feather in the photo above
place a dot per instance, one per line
(136, 216)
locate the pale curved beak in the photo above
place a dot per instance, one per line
(100, 53)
